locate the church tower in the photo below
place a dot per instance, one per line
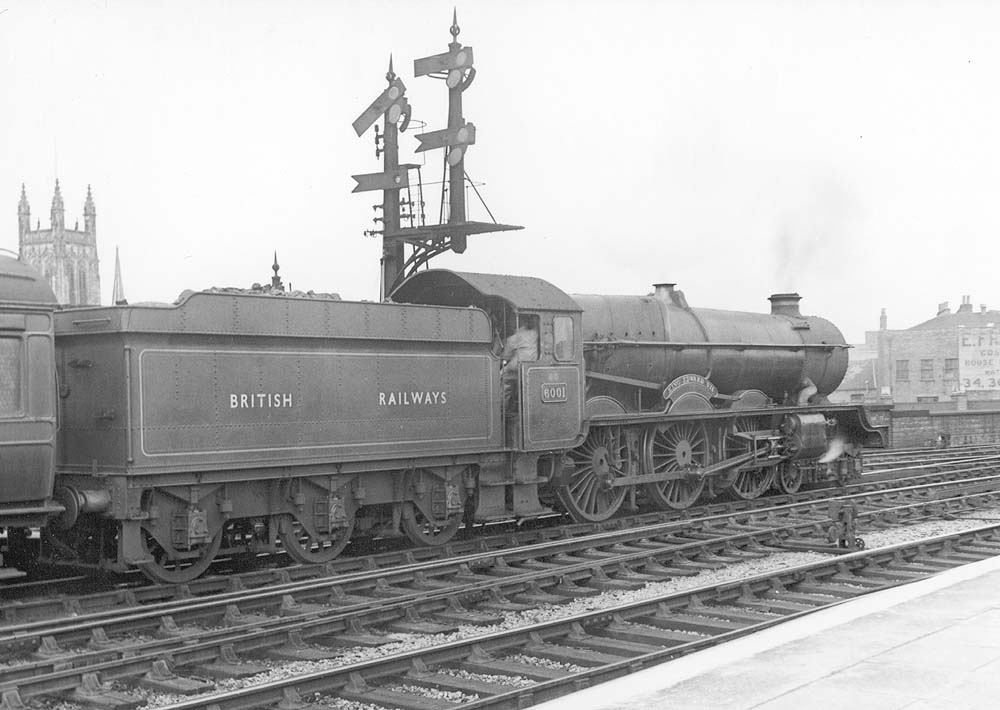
(67, 258)
(23, 219)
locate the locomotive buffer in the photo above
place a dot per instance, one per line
(455, 68)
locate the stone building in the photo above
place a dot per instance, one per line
(66, 257)
(951, 361)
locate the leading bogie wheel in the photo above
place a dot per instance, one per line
(752, 483)
(788, 478)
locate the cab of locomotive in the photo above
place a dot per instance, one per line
(27, 397)
(542, 402)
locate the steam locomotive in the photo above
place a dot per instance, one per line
(161, 436)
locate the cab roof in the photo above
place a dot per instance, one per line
(453, 288)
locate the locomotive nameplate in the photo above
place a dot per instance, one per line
(292, 405)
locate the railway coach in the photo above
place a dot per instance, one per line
(27, 400)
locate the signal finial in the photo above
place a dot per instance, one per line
(455, 29)
(390, 75)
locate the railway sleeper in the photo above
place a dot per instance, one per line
(291, 607)
(291, 700)
(421, 582)
(568, 588)
(851, 579)
(338, 597)
(601, 581)
(533, 595)
(706, 625)
(92, 692)
(888, 574)
(295, 648)
(738, 615)
(776, 606)
(916, 567)
(625, 573)
(458, 613)
(163, 680)
(501, 604)
(696, 563)
(479, 661)
(412, 623)
(229, 665)
(673, 569)
(445, 681)
(561, 653)
(355, 634)
(977, 550)
(640, 632)
(830, 588)
(359, 691)
(931, 562)
(608, 644)
(808, 600)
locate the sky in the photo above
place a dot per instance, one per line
(849, 151)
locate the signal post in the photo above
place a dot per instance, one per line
(456, 68)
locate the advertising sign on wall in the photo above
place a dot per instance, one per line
(979, 359)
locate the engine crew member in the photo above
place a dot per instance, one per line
(520, 346)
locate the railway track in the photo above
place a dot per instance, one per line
(520, 667)
(24, 602)
(310, 619)
(876, 460)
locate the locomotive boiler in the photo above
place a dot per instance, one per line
(657, 338)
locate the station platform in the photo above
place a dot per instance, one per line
(930, 645)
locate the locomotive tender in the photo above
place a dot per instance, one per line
(234, 423)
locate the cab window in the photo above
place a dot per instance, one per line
(562, 327)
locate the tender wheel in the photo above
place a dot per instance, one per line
(304, 544)
(318, 522)
(677, 450)
(429, 532)
(178, 566)
(587, 494)
(437, 515)
(788, 478)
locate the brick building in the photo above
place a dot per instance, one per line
(950, 362)
(66, 257)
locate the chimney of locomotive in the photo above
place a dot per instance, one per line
(785, 304)
(668, 294)
(663, 291)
